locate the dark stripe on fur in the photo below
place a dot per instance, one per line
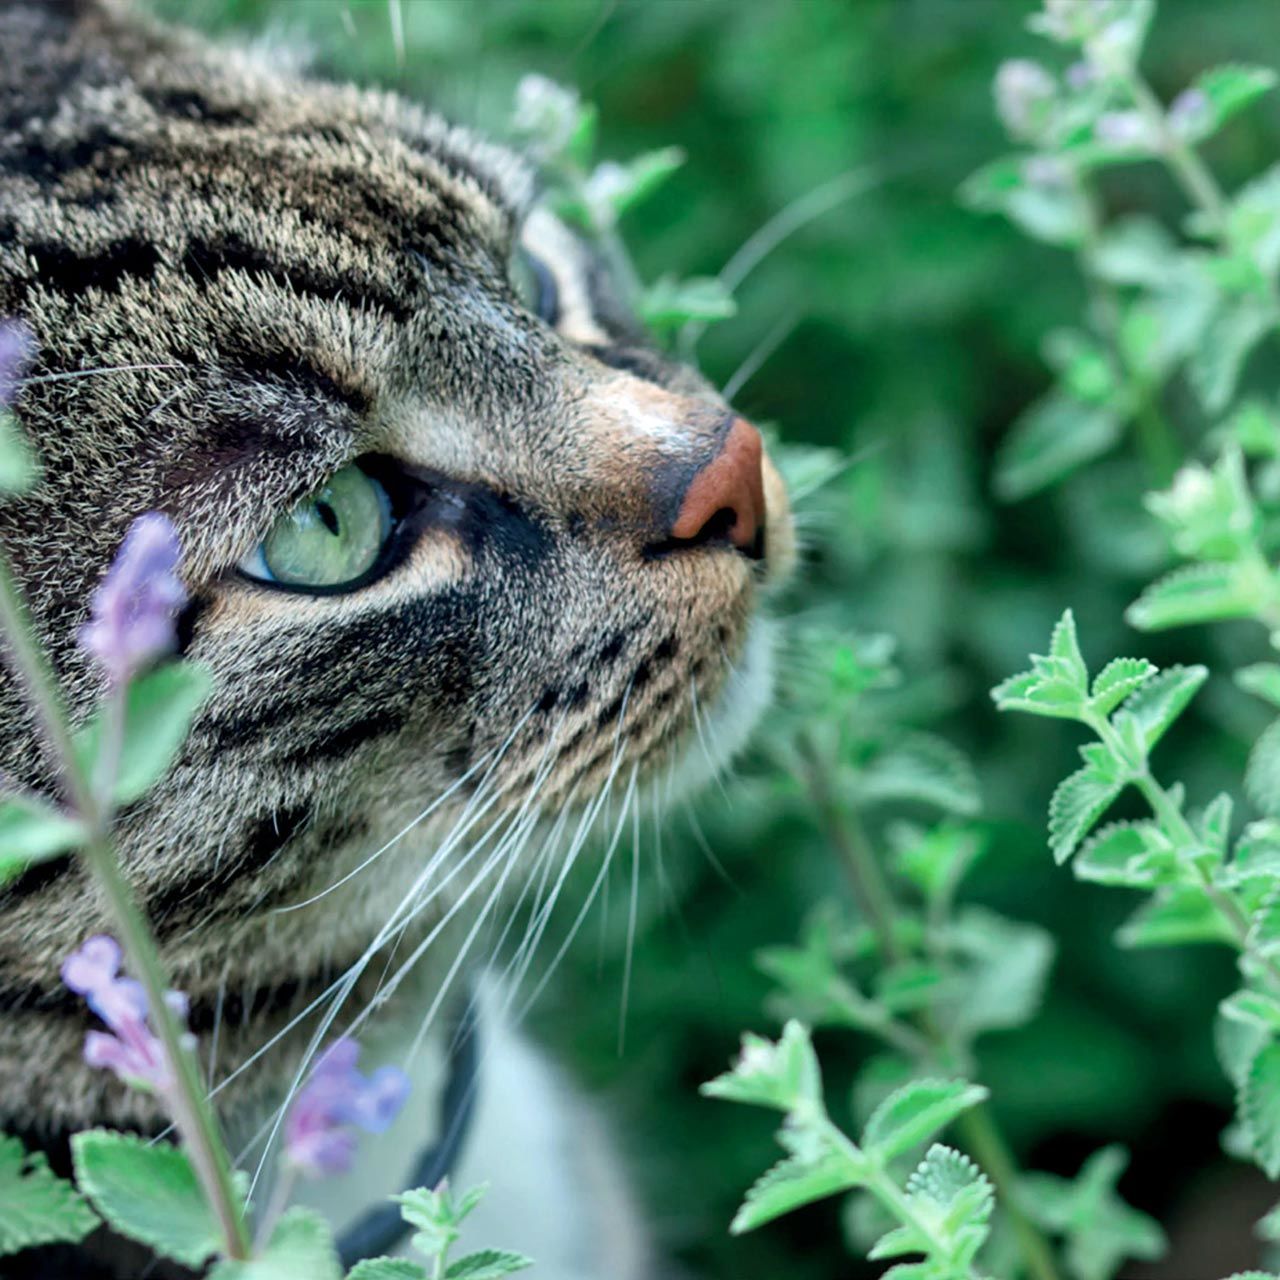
(205, 260)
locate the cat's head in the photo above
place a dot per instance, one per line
(455, 532)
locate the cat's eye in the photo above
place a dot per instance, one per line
(534, 284)
(330, 541)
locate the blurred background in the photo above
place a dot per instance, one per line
(904, 331)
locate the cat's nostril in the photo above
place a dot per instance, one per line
(725, 499)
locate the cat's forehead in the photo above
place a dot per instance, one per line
(118, 97)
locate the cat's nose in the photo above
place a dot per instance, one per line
(725, 499)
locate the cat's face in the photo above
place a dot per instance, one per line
(449, 543)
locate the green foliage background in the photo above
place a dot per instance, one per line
(916, 343)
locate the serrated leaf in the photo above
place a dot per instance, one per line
(1126, 854)
(1101, 1230)
(387, 1269)
(1176, 916)
(893, 1244)
(1053, 438)
(910, 985)
(487, 1264)
(791, 1183)
(1001, 967)
(1214, 365)
(1236, 1042)
(1264, 927)
(36, 1206)
(1079, 801)
(31, 831)
(159, 708)
(915, 1113)
(1262, 679)
(1259, 1107)
(1254, 1008)
(921, 767)
(1193, 593)
(148, 1193)
(1117, 680)
(1262, 775)
(1162, 700)
(301, 1248)
(770, 1074)
(949, 1179)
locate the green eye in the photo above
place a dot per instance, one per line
(329, 540)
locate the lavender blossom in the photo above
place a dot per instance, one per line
(16, 348)
(1189, 112)
(320, 1137)
(1024, 93)
(130, 1048)
(1123, 129)
(132, 621)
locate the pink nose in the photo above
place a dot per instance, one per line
(728, 491)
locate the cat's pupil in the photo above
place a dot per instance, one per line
(328, 516)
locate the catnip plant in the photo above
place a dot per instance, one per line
(906, 968)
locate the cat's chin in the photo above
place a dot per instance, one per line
(728, 722)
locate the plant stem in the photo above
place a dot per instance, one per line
(845, 832)
(978, 1129)
(985, 1143)
(886, 1190)
(188, 1100)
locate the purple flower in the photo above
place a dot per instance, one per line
(133, 609)
(1025, 94)
(320, 1136)
(1123, 129)
(16, 348)
(1189, 112)
(131, 1049)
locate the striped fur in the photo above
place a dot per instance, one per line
(260, 279)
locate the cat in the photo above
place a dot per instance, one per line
(467, 555)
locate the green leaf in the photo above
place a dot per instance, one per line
(922, 767)
(1214, 366)
(31, 830)
(301, 1248)
(1054, 437)
(488, 1264)
(1262, 775)
(1253, 1008)
(36, 1206)
(668, 303)
(1100, 1229)
(1162, 700)
(937, 860)
(159, 708)
(387, 1269)
(1117, 680)
(1132, 855)
(1264, 928)
(915, 1113)
(791, 1183)
(1051, 211)
(910, 985)
(1262, 679)
(1223, 92)
(1176, 916)
(148, 1193)
(1001, 967)
(19, 469)
(1193, 593)
(955, 1189)
(769, 1074)
(1076, 805)
(1259, 1108)
(1135, 250)
(1237, 1040)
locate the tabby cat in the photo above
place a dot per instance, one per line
(466, 555)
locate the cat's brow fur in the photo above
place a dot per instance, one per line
(263, 278)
